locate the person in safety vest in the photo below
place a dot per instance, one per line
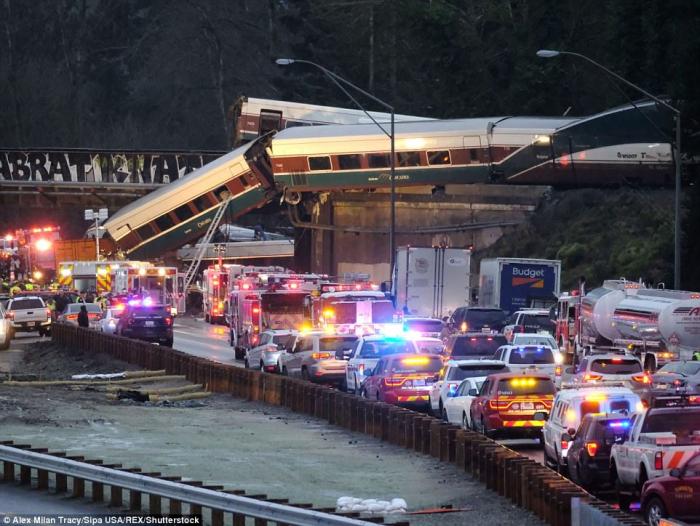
(14, 290)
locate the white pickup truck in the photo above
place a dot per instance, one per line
(660, 439)
(27, 314)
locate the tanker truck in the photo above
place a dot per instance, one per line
(657, 325)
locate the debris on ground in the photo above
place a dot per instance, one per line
(372, 506)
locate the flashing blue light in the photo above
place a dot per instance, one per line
(622, 423)
(452, 390)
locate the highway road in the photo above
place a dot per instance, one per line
(198, 338)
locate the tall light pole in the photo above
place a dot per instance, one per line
(549, 53)
(337, 80)
(97, 215)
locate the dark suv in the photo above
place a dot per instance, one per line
(152, 323)
(473, 345)
(588, 455)
(475, 319)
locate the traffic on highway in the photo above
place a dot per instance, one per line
(567, 385)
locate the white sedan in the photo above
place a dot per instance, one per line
(108, 323)
(457, 407)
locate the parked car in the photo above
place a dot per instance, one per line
(70, 314)
(612, 368)
(109, 321)
(5, 329)
(458, 407)
(318, 357)
(368, 351)
(267, 354)
(569, 409)
(427, 327)
(152, 323)
(675, 495)
(452, 375)
(589, 449)
(474, 319)
(529, 321)
(402, 379)
(513, 405)
(527, 358)
(473, 345)
(428, 345)
(28, 314)
(683, 374)
(531, 338)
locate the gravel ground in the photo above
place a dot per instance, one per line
(239, 444)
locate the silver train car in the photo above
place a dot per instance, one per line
(609, 148)
(256, 117)
(181, 211)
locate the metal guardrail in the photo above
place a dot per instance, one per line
(217, 501)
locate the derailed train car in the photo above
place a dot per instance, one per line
(610, 148)
(181, 211)
(621, 145)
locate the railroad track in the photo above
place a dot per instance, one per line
(524, 481)
(88, 478)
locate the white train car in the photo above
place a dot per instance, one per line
(255, 117)
(181, 211)
(604, 149)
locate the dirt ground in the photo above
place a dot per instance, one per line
(239, 444)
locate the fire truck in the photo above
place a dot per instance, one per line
(353, 308)
(215, 280)
(162, 284)
(264, 298)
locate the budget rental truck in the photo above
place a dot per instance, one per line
(511, 284)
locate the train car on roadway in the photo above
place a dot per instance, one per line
(620, 145)
(181, 211)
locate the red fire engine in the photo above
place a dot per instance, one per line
(215, 280)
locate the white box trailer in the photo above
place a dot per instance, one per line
(431, 281)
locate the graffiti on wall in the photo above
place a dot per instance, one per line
(100, 167)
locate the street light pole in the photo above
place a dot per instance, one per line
(337, 80)
(550, 53)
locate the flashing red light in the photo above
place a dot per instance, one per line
(293, 285)
(9, 237)
(246, 286)
(36, 230)
(215, 281)
(358, 287)
(256, 310)
(168, 321)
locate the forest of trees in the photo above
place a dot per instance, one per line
(163, 73)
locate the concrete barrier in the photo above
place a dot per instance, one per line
(525, 482)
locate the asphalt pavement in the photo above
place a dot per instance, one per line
(196, 337)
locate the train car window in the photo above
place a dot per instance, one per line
(439, 157)
(202, 203)
(473, 154)
(408, 158)
(222, 193)
(349, 162)
(146, 231)
(320, 163)
(294, 124)
(183, 212)
(269, 121)
(243, 179)
(378, 160)
(164, 222)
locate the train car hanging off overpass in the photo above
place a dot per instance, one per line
(624, 144)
